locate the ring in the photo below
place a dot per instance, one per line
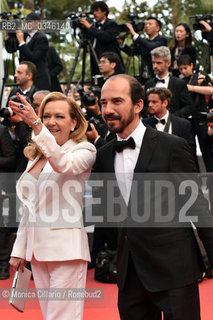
(21, 106)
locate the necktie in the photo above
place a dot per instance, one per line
(159, 80)
(118, 146)
(163, 121)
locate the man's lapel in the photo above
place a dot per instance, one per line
(147, 149)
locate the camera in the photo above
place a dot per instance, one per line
(198, 17)
(205, 117)
(74, 17)
(98, 123)
(6, 113)
(207, 80)
(13, 43)
(137, 24)
(87, 99)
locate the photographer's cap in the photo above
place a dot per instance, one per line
(32, 16)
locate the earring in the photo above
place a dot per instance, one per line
(72, 129)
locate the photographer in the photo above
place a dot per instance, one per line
(108, 66)
(102, 34)
(142, 46)
(207, 33)
(33, 46)
(192, 79)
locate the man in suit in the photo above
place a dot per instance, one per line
(181, 103)
(158, 268)
(7, 164)
(142, 46)
(200, 129)
(162, 120)
(101, 34)
(34, 47)
(55, 66)
(38, 98)
(24, 76)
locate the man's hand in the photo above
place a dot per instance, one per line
(95, 108)
(130, 27)
(93, 133)
(206, 25)
(20, 36)
(85, 23)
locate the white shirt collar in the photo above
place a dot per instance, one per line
(164, 117)
(137, 134)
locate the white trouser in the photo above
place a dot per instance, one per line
(59, 275)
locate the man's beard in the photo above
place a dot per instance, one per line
(113, 127)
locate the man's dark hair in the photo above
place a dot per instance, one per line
(136, 90)
(158, 21)
(184, 59)
(100, 5)
(30, 68)
(111, 56)
(32, 16)
(163, 93)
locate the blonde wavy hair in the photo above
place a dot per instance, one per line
(31, 151)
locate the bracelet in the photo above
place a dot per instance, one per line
(36, 122)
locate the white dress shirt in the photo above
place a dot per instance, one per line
(163, 85)
(160, 126)
(126, 160)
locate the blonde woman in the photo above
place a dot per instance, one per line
(51, 234)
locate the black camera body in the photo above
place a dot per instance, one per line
(138, 25)
(75, 21)
(6, 113)
(13, 42)
(87, 99)
(198, 17)
(208, 80)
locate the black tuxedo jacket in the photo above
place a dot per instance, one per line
(180, 127)
(36, 52)
(165, 257)
(55, 67)
(105, 42)
(181, 103)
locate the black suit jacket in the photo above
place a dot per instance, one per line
(55, 67)
(181, 103)
(105, 42)
(7, 160)
(165, 257)
(36, 52)
(180, 127)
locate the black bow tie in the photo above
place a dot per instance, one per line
(163, 121)
(98, 24)
(159, 80)
(118, 146)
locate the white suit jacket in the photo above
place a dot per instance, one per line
(51, 226)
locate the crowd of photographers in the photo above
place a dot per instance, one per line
(35, 77)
